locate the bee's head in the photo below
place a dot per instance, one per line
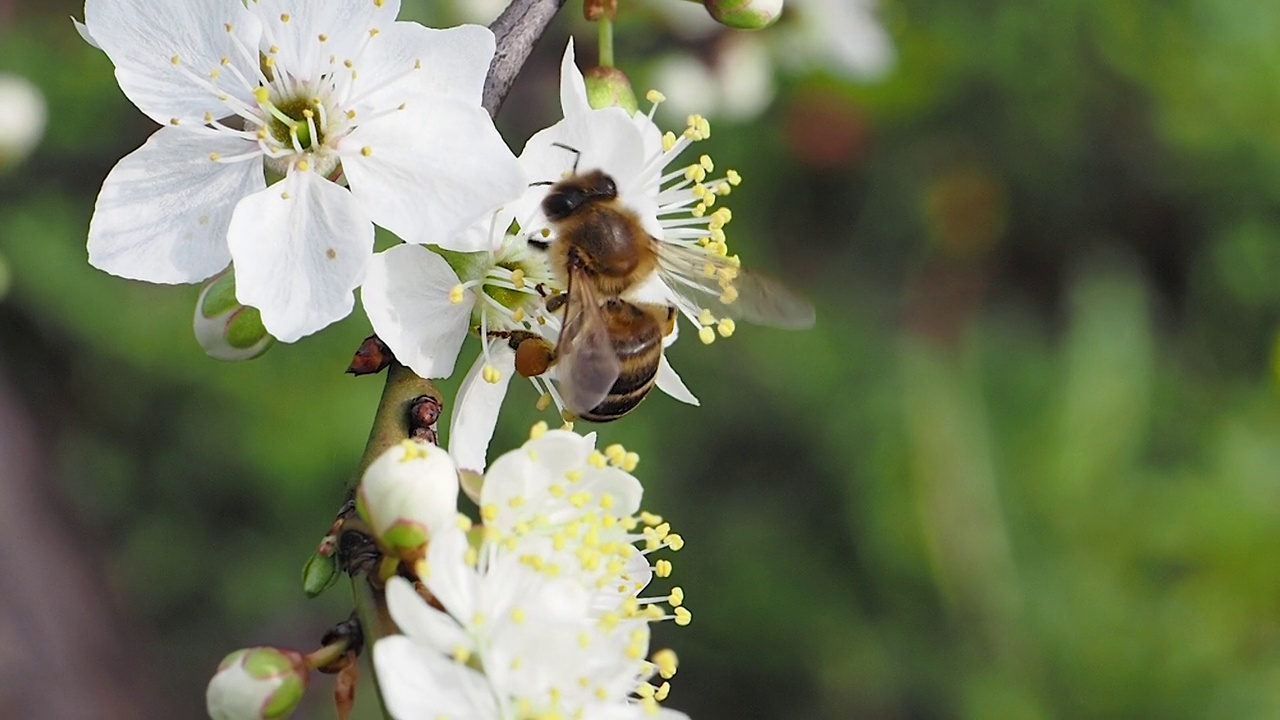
(572, 193)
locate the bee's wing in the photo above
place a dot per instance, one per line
(587, 364)
(716, 283)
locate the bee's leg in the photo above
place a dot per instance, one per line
(557, 301)
(538, 244)
(577, 154)
(534, 354)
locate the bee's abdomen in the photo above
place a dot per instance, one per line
(639, 350)
(631, 387)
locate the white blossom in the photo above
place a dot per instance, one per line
(316, 95)
(543, 614)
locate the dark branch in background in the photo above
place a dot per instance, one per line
(518, 29)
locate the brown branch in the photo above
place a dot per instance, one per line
(518, 29)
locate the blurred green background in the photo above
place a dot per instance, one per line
(1026, 466)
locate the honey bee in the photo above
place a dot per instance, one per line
(609, 347)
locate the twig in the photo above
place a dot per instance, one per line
(518, 29)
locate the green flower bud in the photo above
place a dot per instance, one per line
(609, 87)
(408, 493)
(262, 683)
(319, 574)
(745, 14)
(226, 329)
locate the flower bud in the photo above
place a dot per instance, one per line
(609, 87)
(226, 329)
(744, 14)
(407, 494)
(319, 574)
(261, 682)
(22, 119)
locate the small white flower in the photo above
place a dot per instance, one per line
(22, 118)
(543, 618)
(408, 495)
(257, 683)
(314, 93)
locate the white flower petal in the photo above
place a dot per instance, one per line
(475, 410)
(448, 153)
(163, 212)
(83, 31)
(406, 296)
(418, 682)
(295, 27)
(143, 37)
(670, 383)
(423, 623)
(573, 88)
(451, 63)
(300, 248)
(450, 579)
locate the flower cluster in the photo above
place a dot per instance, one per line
(539, 610)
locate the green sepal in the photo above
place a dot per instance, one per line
(319, 574)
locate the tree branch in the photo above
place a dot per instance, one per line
(518, 29)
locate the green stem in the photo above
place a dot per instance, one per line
(376, 625)
(605, 24)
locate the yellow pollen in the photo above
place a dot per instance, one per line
(662, 568)
(518, 315)
(463, 522)
(676, 598)
(471, 557)
(597, 459)
(683, 616)
(322, 37)
(566, 416)
(224, 61)
(284, 17)
(646, 690)
(455, 294)
(663, 691)
(273, 50)
(666, 662)
(729, 295)
(698, 210)
(609, 620)
(214, 156)
(517, 616)
(366, 151)
(706, 318)
(629, 523)
(491, 374)
(580, 500)
(262, 95)
(461, 654)
(538, 430)
(650, 706)
(175, 60)
(705, 162)
(606, 501)
(556, 490)
(544, 402)
(654, 97)
(650, 519)
(653, 612)
(208, 117)
(373, 32)
(489, 512)
(726, 327)
(214, 73)
(706, 335)
(723, 188)
(668, 139)
(517, 277)
(174, 121)
(573, 476)
(615, 451)
(303, 165)
(516, 501)
(285, 196)
(568, 425)
(733, 177)
(675, 542)
(422, 569)
(602, 694)
(378, 3)
(630, 462)
(351, 114)
(635, 651)
(412, 451)
(228, 27)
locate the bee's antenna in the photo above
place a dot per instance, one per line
(577, 154)
(541, 182)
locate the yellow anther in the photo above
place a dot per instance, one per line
(649, 518)
(214, 156)
(580, 500)
(675, 542)
(471, 557)
(351, 114)
(228, 27)
(668, 139)
(602, 693)
(683, 616)
(422, 569)
(303, 165)
(709, 198)
(491, 374)
(322, 37)
(463, 522)
(706, 335)
(723, 188)
(366, 151)
(706, 318)
(461, 654)
(653, 612)
(285, 196)
(705, 162)
(729, 295)
(489, 512)
(695, 173)
(284, 17)
(629, 523)
(654, 97)
(630, 461)
(373, 32)
(262, 95)
(517, 616)
(726, 327)
(666, 662)
(606, 501)
(646, 690)
(273, 50)
(573, 476)
(635, 651)
(175, 60)
(584, 640)
(699, 191)
(609, 620)
(568, 425)
(698, 210)
(517, 315)
(174, 121)
(614, 567)
(566, 416)
(412, 450)
(516, 501)
(538, 430)
(663, 691)
(676, 598)
(662, 568)
(456, 294)
(348, 63)
(660, 530)
(733, 177)
(597, 459)
(208, 117)
(615, 451)
(517, 277)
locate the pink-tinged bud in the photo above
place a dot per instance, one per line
(407, 494)
(745, 14)
(262, 683)
(226, 329)
(609, 87)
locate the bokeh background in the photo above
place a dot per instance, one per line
(1026, 466)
